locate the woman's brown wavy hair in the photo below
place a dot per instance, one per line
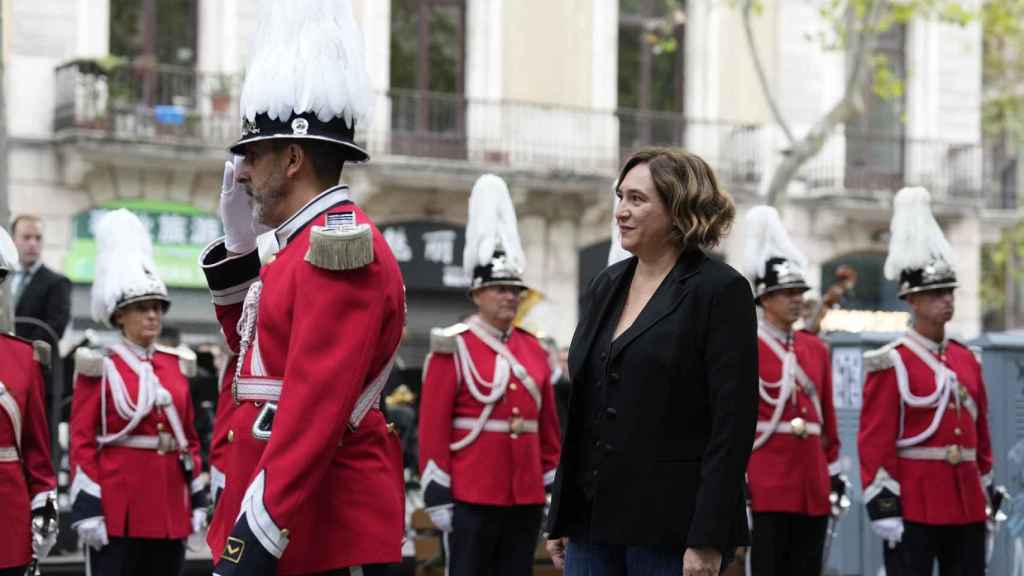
(702, 213)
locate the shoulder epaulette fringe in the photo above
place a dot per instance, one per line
(42, 353)
(89, 362)
(345, 248)
(442, 340)
(878, 359)
(186, 359)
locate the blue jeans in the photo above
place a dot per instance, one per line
(584, 558)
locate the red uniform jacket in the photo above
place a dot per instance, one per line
(219, 437)
(925, 491)
(498, 468)
(140, 492)
(25, 481)
(789, 473)
(321, 493)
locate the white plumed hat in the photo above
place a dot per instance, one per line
(8, 255)
(307, 78)
(920, 258)
(125, 270)
(771, 260)
(493, 254)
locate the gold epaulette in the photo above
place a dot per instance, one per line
(42, 353)
(186, 359)
(89, 362)
(442, 340)
(345, 247)
(879, 358)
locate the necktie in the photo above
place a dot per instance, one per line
(20, 280)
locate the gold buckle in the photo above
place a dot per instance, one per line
(165, 443)
(953, 454)
(516, 425)
(799, 426)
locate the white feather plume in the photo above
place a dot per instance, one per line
(616, 253)
(915, 237)
(124, 263)
(767, 238)
(307, 56)
(491, 225)
(8, 252)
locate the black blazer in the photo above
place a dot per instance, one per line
(48, 298)
(683, 417)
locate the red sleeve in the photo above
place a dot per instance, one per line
(325, 374)
(876, 443)
(550, 434)
(437, 401)
(984, 435)
(229, 278)
(35, 440)
(196, 489)
(832, 444)
(85, 421)
(219, 437)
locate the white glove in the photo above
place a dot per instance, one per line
(198, 520)
(42, 544)
(92, 532)
(889, 529)
(236, 212)
(441, 516)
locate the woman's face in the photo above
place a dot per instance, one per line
(140, 321)
(644, 221)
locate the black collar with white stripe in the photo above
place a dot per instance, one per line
(323, 202)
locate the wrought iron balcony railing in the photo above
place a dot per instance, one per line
(182, 107)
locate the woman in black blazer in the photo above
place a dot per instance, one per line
(663, 367)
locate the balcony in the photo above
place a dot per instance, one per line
(175, 107)
(160, 105)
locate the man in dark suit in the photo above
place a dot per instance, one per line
(38, 292)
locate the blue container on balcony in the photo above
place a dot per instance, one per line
(170, 115)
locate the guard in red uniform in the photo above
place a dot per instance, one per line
(27, 482)
(925, 449)
(219, 438)
(489, 435)
(136, 491)
(794, 467)
(315, 310)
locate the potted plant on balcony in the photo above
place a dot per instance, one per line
(221, 93)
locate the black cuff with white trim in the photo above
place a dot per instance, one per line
(885, 505)
(243, 554)
(228, 277)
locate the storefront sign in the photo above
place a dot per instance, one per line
(429, 254)
(179, 233)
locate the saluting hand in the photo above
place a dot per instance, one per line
(236, 212)
(702, 562)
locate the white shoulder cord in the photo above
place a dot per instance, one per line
(151, 393)
(785, 384)
(498, 387)
(945, 383)
(246, 327)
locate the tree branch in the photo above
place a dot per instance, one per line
(762, 77)
(849, 105)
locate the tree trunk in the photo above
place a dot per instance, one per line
(863, 35)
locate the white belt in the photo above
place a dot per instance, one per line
(953, 454)
(9, 454)
(259, 389)
(163, 444)
(513, 426)
(796, 427)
